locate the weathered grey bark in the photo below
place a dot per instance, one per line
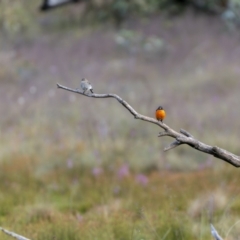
(13, 234)
(215, 233)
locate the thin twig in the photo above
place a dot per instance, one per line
(183, 137)
(184, 132)
(172, 145)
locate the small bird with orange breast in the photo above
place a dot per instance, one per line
(160, 114)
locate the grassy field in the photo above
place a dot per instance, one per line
(79, 168)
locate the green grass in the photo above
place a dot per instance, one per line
(73, 204)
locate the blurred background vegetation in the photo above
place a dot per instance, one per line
(18, 17)
(79, 168)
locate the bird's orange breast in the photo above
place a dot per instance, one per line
(160, 114)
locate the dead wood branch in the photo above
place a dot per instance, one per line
(13, 234)
(215, 233)
(182, 137)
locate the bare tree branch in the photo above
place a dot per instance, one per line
(182, 137)
(13, 234)
(215, 233)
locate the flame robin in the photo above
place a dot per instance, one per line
(160, 114)
(86, 85)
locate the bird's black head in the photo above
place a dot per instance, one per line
(160, 108)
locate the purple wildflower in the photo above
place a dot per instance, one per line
(142, 179)
(123, 171)
(97, 171)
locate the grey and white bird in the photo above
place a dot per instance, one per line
(86, 85)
